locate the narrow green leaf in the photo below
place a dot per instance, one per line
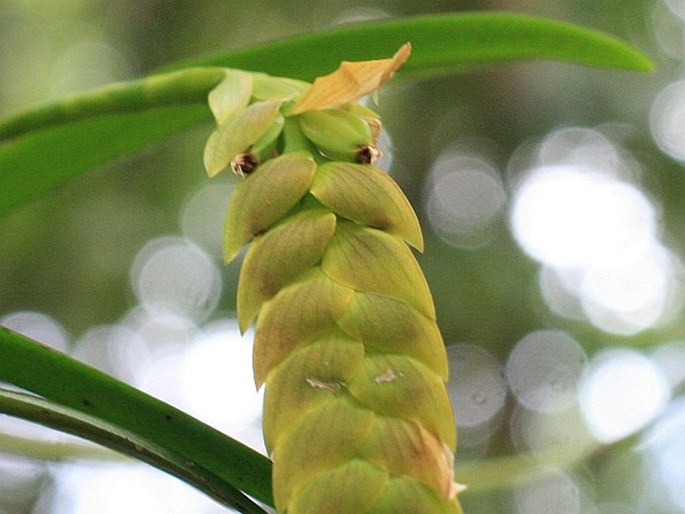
(441, 44)
(39, 162)
(182, 87)
(67, 420)
(71, 384)
(34, 159)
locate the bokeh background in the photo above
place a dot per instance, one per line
(553, 202)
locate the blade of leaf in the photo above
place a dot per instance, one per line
(74, 385)
(442, 44)
(183, 87)
(67, 420)
(32, 165)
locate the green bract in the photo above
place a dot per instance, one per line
(356, 415)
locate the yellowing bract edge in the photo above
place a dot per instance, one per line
(351, 81)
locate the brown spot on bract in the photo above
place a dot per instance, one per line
(333, 386)
(367, 154)
(244, 163)
(390, 375)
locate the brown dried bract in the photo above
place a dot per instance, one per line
(351, 81)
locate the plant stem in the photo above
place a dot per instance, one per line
(101, 398)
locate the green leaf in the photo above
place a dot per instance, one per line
(76, 386)
(34, 164)
(67, 420)
(43, 147)
(441, 44)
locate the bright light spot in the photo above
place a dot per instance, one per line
(566, 217)
(171, 274)
(611, 287)
(166, 337)
(202, 217)
(581, 148)
(162, 379)
(557, 493)
(20, 478)
(218, 386)
(667, 30)
(465, 198)
(667, 120)
(113, 489)
(666, 451)
(477, 389)
(114, 349)
(631, 296)
(622, 392)
(387, 150)
(670, 357)
(613, 508)
(596, 235)
(39, 327)
(161, 331)
(560, 290)
(360, 14)
(624, 298)
(543, 370)
(539, 433)
(677, 7)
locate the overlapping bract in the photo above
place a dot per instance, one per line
(356, 415)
